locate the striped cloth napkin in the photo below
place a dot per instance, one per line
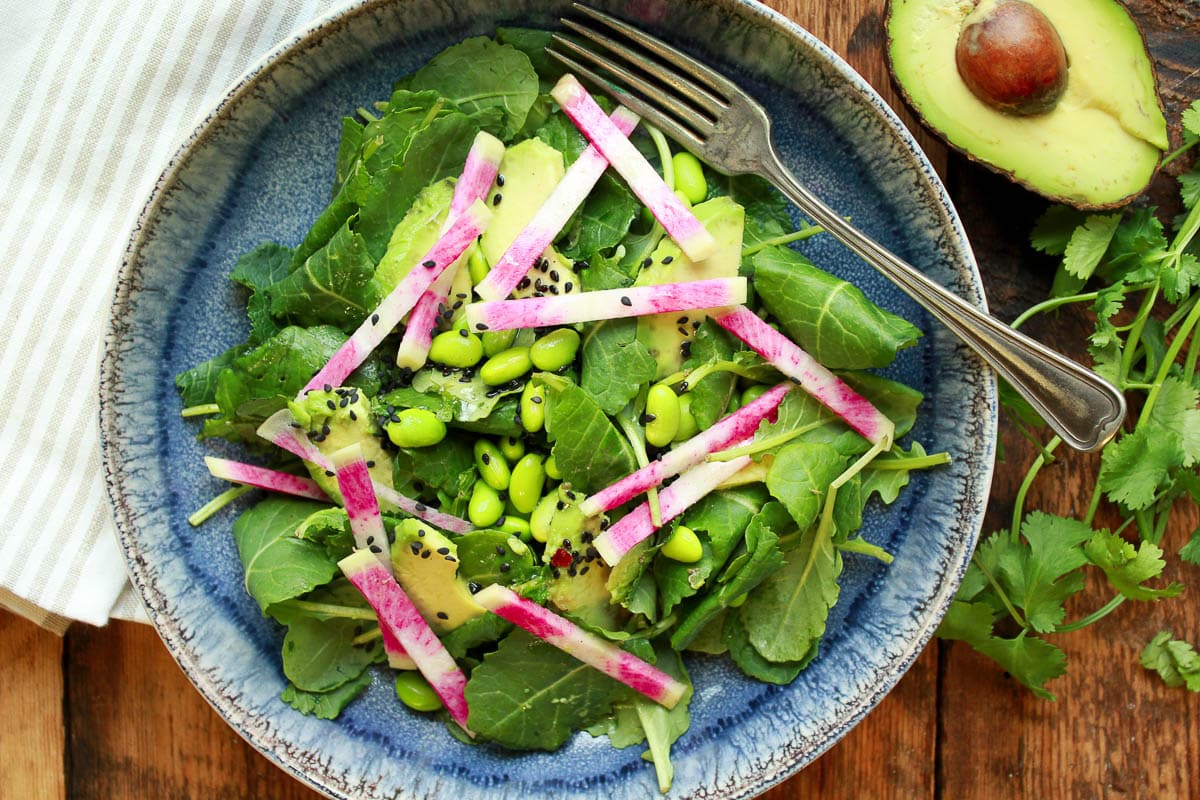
(95, 98)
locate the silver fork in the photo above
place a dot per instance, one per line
(709, 115)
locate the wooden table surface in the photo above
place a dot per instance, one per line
(105, 712)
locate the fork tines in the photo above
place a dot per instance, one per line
(671, 89)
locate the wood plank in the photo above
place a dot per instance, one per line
(32, 743)
(139, 729)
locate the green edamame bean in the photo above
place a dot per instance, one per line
(662, 415)
(458, 348)
(687, 422)
(485, 508)
(416, 693)
(689, 176)
(525, 486)
(542, 518)
(552, 470)
(492, 466)
(477, 264)
(505, 366)
(512, 447)
(514, 525)
(555, 350)
(498, 341)
(533, 407)
(683, 546)
(752, 393)
(416, 427)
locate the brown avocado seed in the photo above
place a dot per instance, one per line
(1011, 57)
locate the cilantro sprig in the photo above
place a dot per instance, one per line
(1141, 279)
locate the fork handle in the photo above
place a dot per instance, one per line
(1081, 407)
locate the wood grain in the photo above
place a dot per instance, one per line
(32, 746)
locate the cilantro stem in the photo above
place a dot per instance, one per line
(1019, 502)
(1025, 431)
(1095, 616)
(1164, 369)
(200, 410)
(795, 236)
(1180, 313)
(1008, 604)
(1135, 331)
(1189, 364)
(1050, 305)
(1174, 154)
(216, 504)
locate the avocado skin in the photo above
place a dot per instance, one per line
(1090, 152)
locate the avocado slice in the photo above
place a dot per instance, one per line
(415, 233)
(337, 419)
(1100, 143)
(426, 565)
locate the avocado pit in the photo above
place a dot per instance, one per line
(1010, 56)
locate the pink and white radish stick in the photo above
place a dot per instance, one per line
(418, 334)
(568, 195)
(479, 171)
(397, 613)
(676, 218)
(358, 497)
(263, 478)
(635, 301)
(725, 432)
(281, 430)
(401, 300)
(605, 656)
(825, 387)
(690, 488)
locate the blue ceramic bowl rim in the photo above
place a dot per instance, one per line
(141, 572)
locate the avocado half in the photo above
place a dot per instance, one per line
(1100, 144)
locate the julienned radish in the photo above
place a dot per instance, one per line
(418, 333)
(358, 498)
(280, 429)
(587, 647)
(397, 613)
(726, 432)
(635, 301)
(690, 488)
(263, 478)
(379, 324)
(568, 195)
(676, 218)
(827, 388)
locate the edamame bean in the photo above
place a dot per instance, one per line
(533, 407)
(687, 423)
(458, 348)
(542, 518)
(662, 415)
(477, 264)
(683, 546)
(752, 393)
(525, 486)
(492, 466)
(512, 447)
(555, 350)
(485, 508)
(416, 427)
(497, 341)
(552, 470)
(514, 525)
(415, 692)
(505, 366)
(689, 176)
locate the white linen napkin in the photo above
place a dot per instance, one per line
(94, 99)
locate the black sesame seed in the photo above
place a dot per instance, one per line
(329, 473)
(370, 465)
(647, 262)
(537, 398)
(554, 275)
(496, 199)
(332, 405)
(486, 458)
(328, 388)
(473, 587)
(421, 507)
(682, 320)
(500, 180)
(668, 259)
(424, 554)
(587, 537)
(696, 325)
(584, 570)
(416, 548)
(430, 264)
(505, 567)
(568, 286)
(625, 301)
(370, 540)
(376, 549)
(524, 283)
(479, 326)
(443, 551)
(443, 615)
(421, 532)
(552, 289)
(374, 319)
(683, 386)
(648, 418)
(451, 559)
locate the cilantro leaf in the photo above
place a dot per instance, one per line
(1190, 119)
(1088, 244)
(1052, 232)
(1129, 567)
(1176, 661)
(1176, 413)
(1134, 466)
(1030, 660)
(1190, 552)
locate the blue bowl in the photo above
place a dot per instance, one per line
(259, 167)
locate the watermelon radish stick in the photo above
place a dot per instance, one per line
(281, 430)
(825, 387)
(587, 647)
(536, 312)
(677, 219)
(726, 432)
(480, 170)
(263, 478)
(397, 613)
(690, 488)
(402, 299)
(568, 195)
(358, 497)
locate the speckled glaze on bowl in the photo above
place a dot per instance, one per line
(259, 167)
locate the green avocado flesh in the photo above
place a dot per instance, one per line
(426, 565)
(1101, 143)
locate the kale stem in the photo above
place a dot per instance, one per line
(216, 504)
(331, 609)
(787, 238)
(201, 410)
(914, 462)
(760, 445)
(1019, 502)
(664, 154)
(363, 638)
(637, 440)
(1008, 604)
(1050, 305)
(1095, 616)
